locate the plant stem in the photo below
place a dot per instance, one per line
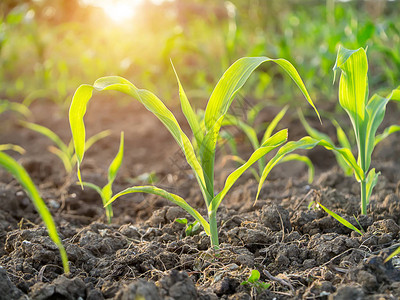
(212, 219)
(364, 199)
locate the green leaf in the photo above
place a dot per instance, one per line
(16, 148)
(340, 219)
(271, 127)
(353, 90)
(233, 80)
(183, 221)
(254, 276)
(116, 163)
(14, 106)
(393, 254)
(188, 112)
(376, 111)
(23, 178)
(93, 187)
(273, 142)
(169, 196)
(372, 180)
(308, 143)
(148, 99)
(388, 131)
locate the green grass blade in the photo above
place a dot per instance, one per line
(340, 219)
(16, 148)
(22, 176)
(304, 159)
(393, 254)
(169, 196)
(188, 112)
(271, 127)
(388, 131)
(47, 133)
(273, 142)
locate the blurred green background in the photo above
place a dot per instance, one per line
(49, 47)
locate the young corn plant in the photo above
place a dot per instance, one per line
(251, 133)
(106, 192)
(201, 154)
(8, 163)
(365, 115)
(63, 151)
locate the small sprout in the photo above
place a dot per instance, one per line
(255, 282)
(192, 228)
(106, 192)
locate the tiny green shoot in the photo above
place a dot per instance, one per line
(255, 282)
(106, 192)
(191, 227)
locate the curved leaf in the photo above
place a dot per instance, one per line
(273, 142)
(148, 99)
(169, 196)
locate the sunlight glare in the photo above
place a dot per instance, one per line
(117, 10)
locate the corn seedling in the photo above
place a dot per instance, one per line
(201, 154)
(251, 133)
(365, 115)
(106, 192)
(22, 176)
(255, 282)
(191, 227)
(63, 151)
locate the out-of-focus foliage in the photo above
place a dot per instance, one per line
(48, 47)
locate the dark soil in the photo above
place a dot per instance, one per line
(144, 254)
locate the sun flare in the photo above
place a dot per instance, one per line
(117, 10)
